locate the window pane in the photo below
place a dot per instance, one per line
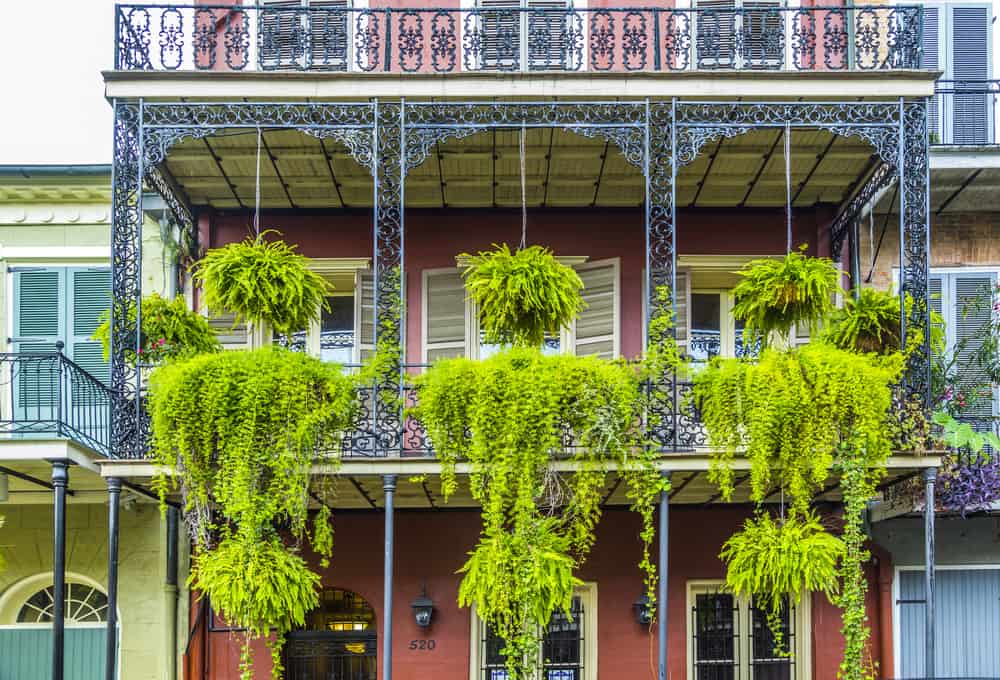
(706, 326)
(767, 662)
(336, 341)
(715, 637)
(562, 648)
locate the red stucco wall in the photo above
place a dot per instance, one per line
(430, 546)
(434, 237)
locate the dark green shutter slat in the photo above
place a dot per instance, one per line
(972, 315)
(26, 653)
(91, 298)
(37, 304)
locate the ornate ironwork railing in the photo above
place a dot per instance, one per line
(963, 113)
(449, 40)
(45, 394)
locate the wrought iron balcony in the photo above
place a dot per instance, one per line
(508, 39)
(45, 394)
(963, 113)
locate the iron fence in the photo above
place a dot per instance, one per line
(963, 113)
(45, 394)
(448, 40)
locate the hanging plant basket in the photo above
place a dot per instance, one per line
(773, 562)
(263, 281)
(870, 323)
(169, 330)
(775, 295)
(522, 296)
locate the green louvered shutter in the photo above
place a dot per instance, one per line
(39, 322)
(972, 317)
(89, 297)
(970, 68)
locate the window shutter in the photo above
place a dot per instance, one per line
(970, 27)
(39, 321)
(763, 42)
(972, 315)
(930, 59)
(597, 326)
(715, 37)
(231, 335)
(282, 34)
(364, 314)
(501, 35)
(548, 35)
(90, 297)
(682, 320)
(444, 315)
(936, 286)
(328, 30)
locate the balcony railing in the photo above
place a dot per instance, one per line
(46, 395)
(450, 40)
(963, 113)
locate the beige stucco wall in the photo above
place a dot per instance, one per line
(27, 543)
(957, 240)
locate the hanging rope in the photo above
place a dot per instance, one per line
(788, 187)
(871, 235)
(524, 200)
(256, 196)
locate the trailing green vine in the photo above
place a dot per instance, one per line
(239, 432)
(507, 416)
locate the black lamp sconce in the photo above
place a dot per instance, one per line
(643, 612)
(423, 609)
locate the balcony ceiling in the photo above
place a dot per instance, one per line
(562, 170)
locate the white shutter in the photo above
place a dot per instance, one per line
(970, 68)
(936, 286)
(972, 313)
(930, 59)
(364, 315)
(547, 37)
(445, 324)
(500, 25)
(682, 321)
(715, 34)
(231, 335)
(597, 328)
(282, 34)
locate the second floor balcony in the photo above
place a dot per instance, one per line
(516, 36)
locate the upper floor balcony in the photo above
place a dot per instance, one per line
(516, 36)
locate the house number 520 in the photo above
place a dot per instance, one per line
(423, 645)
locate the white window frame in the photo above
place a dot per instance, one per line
(802, 653)
(567, 337)
(587, 592)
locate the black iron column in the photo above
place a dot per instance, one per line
(114, 494)
(930, 478)
(60, 480)
(389, 487)
(662, 583)
(389, 303)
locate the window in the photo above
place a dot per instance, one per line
(304, 35)
(339, 640)
(729, 638)
(451, 328)
(83, 604)
(568, 650)
(740, 34)
(964, 299)
(956, 40)
(530, 34)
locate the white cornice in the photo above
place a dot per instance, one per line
(66, 214)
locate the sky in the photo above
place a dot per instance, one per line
(52, 106)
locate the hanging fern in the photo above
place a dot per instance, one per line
(522, 296)
(263, 282)
(169, 330)
(239, 432)
(871, 323)
(774, 295)
(507, 416)
(771, 562)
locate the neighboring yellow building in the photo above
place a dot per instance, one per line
(55, 247)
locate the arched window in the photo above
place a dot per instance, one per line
(83, 604)
(341, 611)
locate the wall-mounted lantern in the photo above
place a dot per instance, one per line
(643, 612)
(423, 609)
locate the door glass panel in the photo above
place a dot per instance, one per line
(706, 326)
(768, 661)
(715, 637)
(336, 339)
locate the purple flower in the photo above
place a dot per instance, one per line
(970, 485)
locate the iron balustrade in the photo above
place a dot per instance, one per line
(963, 113)
(188, 37)
(45, 394)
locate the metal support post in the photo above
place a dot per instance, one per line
(930, 477)
(60, 480)
(114, 495)
(662, 590)
(389, 487)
